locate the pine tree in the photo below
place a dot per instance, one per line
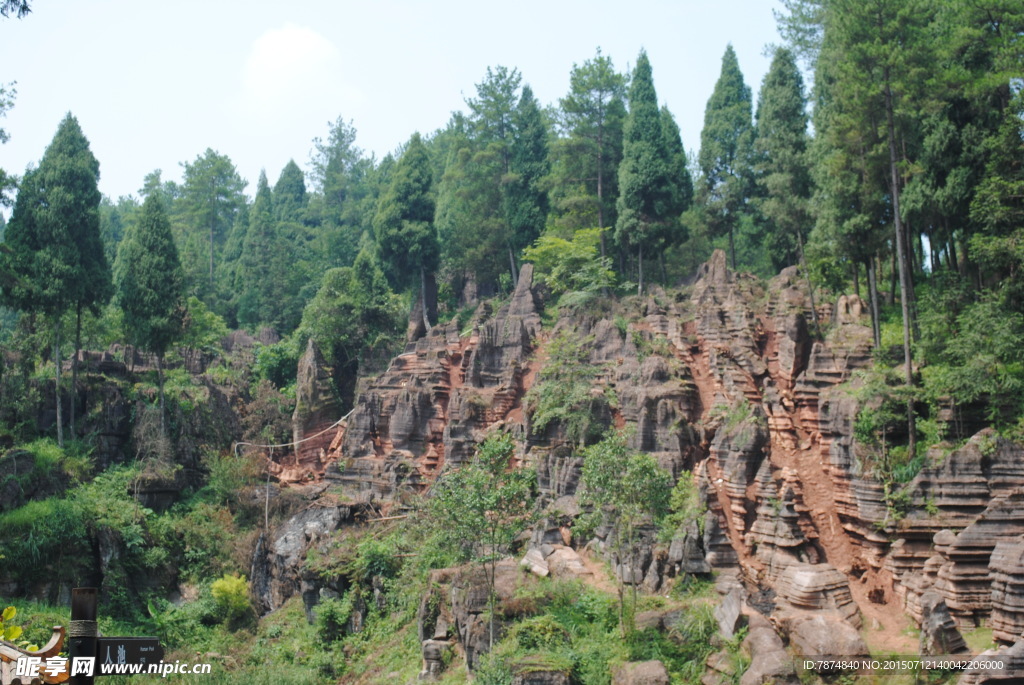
(645, 184)
(54, 238)
(404, 224)
(211, 197)
(587, 162)
(151, 286)
(724, 151)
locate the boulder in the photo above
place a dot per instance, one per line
(729, 613)
(824, 633)
(939, 634)
(769, 661)
(641, 673)
(817, 587)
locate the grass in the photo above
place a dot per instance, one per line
(979, 639)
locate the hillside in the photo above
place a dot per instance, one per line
(811, 542)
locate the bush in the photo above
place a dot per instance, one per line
(231, 596)
(332, 616)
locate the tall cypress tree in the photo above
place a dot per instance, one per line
(724, 151)
(780, 164)
(263, 270)
(54, 238)
(679, 177)
(151, 286)
(290, 197)
(645, 183)
(525, 200)
(404, 223)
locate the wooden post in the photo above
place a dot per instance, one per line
(84, 630)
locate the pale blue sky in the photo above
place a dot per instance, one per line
(156, 83)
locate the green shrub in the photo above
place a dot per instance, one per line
(541, 632)
(332, 616)
(231, 596)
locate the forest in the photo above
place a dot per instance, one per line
(882, 158)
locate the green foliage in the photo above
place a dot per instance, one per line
(979, 360)
(484, 505)
(780, 167)
(572, 265)
(210, 201)
(203, 328)
(524, 198)
(628, 487)
(55, 248)
(9, 632)
(276, 363)
(541, 632)
(231, 596)
(685, 505)
(231, 474)
(332, 616)
(404, 223)
(268, 273)
(584, 173)
(354, 314)
(564, 391)
(725, 143)
(149, 280)
(648, 193)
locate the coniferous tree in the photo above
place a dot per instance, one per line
(210, 199)
(151, 286)
(679, 178)
(780, 164)
(265, 275)
(587, 161)
(404, 224)
(54, 238)
(290, 197)
(874, 57)
(724, 151)
(7, 182)
(646, 191)
(525, 200)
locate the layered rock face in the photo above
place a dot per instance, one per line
(436, 401)
(727, 380)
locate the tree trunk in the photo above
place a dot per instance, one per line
(160, 388)
(211, 259)
(876, 329)
(953, 261)
(664, 271)
(512, 265)
(901, 257)
(892, 279)
(56, 373)
(810, 288)
(856, 278)
(732, 248)
(640, 272)
(600, 186)
(74, 367)
(423, 298)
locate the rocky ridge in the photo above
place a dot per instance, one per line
(725, 381)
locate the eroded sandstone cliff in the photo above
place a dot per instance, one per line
(725, 379)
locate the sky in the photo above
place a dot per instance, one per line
(154, 84)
